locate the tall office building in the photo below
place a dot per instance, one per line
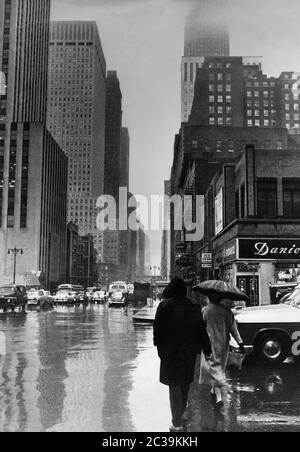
(113, 134)
(33, 168)
(76, 116)
(206, 34)
(124, 157)
(165, 243)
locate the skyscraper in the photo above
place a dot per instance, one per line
(206, 29)
(33, 168)
(206, 34)
(113, 134)
(124, 158)
(76, 116)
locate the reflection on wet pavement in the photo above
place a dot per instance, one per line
(93, 370)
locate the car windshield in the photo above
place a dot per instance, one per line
(5, 290)
(293, 299)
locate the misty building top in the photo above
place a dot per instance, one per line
(206, 29)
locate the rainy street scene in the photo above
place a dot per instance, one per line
(94, 370)
(149, 219)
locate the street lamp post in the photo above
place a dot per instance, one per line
(15, 251)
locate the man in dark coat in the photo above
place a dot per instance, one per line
(179, 335)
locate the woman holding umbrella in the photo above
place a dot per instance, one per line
(220, 323)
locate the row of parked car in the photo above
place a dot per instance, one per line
(14, 297)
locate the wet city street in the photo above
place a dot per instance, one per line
(93, 370)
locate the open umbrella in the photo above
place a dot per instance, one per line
(229, 291)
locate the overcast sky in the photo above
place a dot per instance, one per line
(143, 41)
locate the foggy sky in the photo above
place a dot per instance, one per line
(143, 40)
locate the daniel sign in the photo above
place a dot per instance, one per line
(270, 249)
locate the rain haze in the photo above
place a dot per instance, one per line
(143, 40)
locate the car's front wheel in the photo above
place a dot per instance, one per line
(272, 348)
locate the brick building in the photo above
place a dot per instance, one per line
(233, 91)
(253, 232)
(201, 151)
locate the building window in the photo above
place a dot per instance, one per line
(220, 121)
(220, 99)
(231, 146)
(279, 145)
(211, 121)
(220, 77)
(219, 146)
(291, 198)
(211, 110)
(243, 201)
(195, 144)
(268, 144)
(267, 198)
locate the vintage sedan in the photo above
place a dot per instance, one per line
(37, 295)
(100, 297)
(65, 297)
(118, 299)
(270, 331)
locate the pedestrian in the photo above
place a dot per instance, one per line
(220, 323)
(179, 335)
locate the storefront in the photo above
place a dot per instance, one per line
(253, 264)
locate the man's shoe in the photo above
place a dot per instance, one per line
(174, 429)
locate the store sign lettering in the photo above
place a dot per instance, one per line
(273, 249)
(262, 249)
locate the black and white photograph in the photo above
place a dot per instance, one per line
(149, 219)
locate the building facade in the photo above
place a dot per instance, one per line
(253, 220)
(165, 244)
(76, 116)
(199, 153)
(124, 158)
(33, 168)
(113, 135)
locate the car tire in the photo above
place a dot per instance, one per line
(272, 349)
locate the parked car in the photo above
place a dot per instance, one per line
(267, 331)
(12, 297)
(100, 297)
(65, 297)
(35, 295)
(118, 299)
(280, 290)
(90, 293)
